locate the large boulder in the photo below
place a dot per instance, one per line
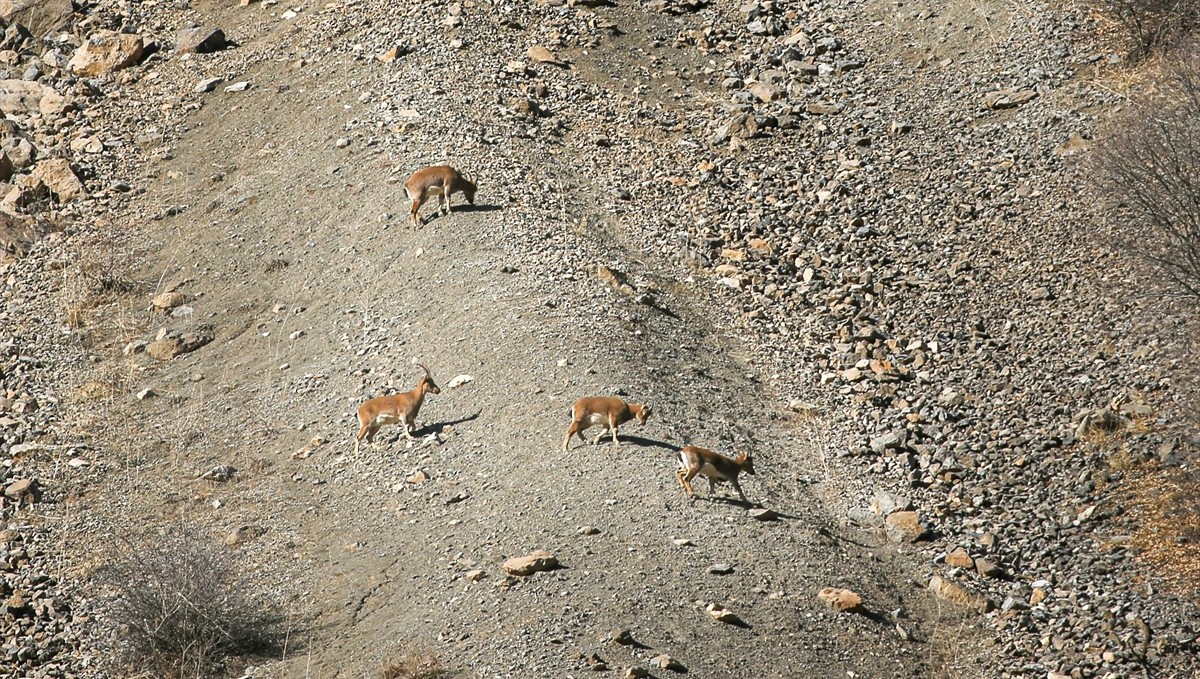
(17, 235)
(958, 595)
(201, 40)
(22, 97)
(905, 527)
(105, 52)
(534, 562)
(840, 599)
(20, 152)
(39, 16)
(56, 175)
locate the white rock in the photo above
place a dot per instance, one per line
(207, 85)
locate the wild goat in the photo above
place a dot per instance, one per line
(713, 466)
(442, 181)
(607, 411)
(397, 408)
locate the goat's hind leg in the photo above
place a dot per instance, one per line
(572, 431)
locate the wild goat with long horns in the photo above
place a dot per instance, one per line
(398, 408)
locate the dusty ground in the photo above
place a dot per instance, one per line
(762, 270)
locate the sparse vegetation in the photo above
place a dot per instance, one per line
(1168, 534)
(183, 610)
(1150, 162)
(415, 665)
(106, 261)
(1151, 24)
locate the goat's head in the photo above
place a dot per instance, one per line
(746, 462)
(427, 384)
(642, 413)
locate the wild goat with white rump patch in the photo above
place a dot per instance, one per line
(442, 181)
(609, 412)
(398, 408)
(713, 466)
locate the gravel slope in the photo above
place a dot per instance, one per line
(812, 204)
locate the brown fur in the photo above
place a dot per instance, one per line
(713, 466)
(395, 409)
(440, 180)
(607, 411)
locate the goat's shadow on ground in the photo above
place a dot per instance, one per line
(640, 441)
(429, 219)
(439, 427)
(645, 442)
(738, 502)
(479, 207)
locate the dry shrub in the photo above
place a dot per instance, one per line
(1150, 162)
(183, 610)
(1151, 24)
(107, 259)
(415, 665)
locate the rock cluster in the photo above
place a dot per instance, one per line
(41, 615)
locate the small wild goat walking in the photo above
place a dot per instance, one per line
(713, 466)
(608, 412)
(441, 181)
(397, 408)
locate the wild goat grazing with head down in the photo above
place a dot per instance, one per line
(397, 408)
(713, 466)
(441, 181)
(608, 412)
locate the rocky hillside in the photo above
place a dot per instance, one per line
(847, 237)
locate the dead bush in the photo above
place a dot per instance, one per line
(1150, 24)
(415, 665)
(1149, 161)
(182, 609)
(106, 258)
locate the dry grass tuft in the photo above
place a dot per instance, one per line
(1166, 507)
(106, 260)
(415, 665)
(1115, 442)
